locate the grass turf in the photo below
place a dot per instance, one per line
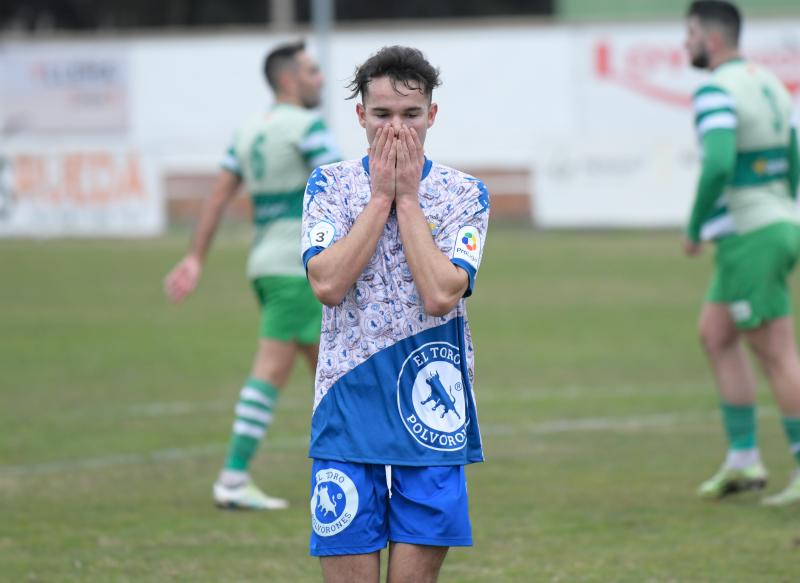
(596, 405)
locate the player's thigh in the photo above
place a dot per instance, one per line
(311, 353)
(273, 361)
(774, 341)
(429, 506)
(364, 568)
(349, 514)
(289, 310)
(716, 327)
(751, 274)
(415, 563)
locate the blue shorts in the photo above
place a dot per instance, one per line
(354, 512)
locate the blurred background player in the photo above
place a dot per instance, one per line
(272, 154)
(745, 202)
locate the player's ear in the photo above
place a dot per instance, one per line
(287, 80)
(432, 111)
(715, 39)
(362, 115)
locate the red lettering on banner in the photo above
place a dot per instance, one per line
(81, 178)
(636, 69)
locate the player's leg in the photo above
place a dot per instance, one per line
(414, 563)
(308, 333)
(259, 395)
(774, 344)
(351, 568)
(771, 334)
(722, 342)
(349, 523)
(428, 513)
(311, 354)
(254, 414)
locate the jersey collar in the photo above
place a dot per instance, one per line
(732, 61)
(426, 168)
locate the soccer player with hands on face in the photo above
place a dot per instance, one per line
(392, 244)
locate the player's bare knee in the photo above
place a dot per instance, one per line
(715, 340)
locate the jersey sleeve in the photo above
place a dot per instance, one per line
(230, 161)
(325, 218)
(463, 234)
(714, 109)
(317, 145)
(716, 122)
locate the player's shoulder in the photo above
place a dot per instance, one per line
(343, 166)
(254, 120)
(447, 175)
(710, 89)
(337, 170)
(768, 78)
(304, 118)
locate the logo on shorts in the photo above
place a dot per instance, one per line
(334, 502)
(741, 311)
(431, 397)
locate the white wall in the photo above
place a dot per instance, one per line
(598, 113)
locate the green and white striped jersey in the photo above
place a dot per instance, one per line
(749, 100)
(274, 154)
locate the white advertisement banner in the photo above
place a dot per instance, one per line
(63, 88)
(79, 192)
(634, 161)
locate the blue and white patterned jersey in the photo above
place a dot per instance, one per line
(393, 383)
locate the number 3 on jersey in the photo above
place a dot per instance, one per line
(322, 234)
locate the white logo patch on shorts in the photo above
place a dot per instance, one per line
(740, 311)
(322, 234)
(334, 502)
(468, 245)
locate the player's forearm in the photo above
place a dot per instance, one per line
(719, 161)
(709, 188)
(334, 271)
(225, 188)
(439, 283)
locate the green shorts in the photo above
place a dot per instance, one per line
(751, 272)
(289, 310)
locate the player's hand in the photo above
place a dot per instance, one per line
(410, 161)
(183, 278)
(691, 248)
(382, 163)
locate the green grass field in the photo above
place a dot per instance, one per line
(596, 406)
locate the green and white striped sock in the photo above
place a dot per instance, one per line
(257, 400)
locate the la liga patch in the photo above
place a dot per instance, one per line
(468, 246)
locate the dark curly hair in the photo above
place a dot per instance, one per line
(404, 65)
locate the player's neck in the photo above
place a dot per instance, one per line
(287, 99)
(723, 57)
